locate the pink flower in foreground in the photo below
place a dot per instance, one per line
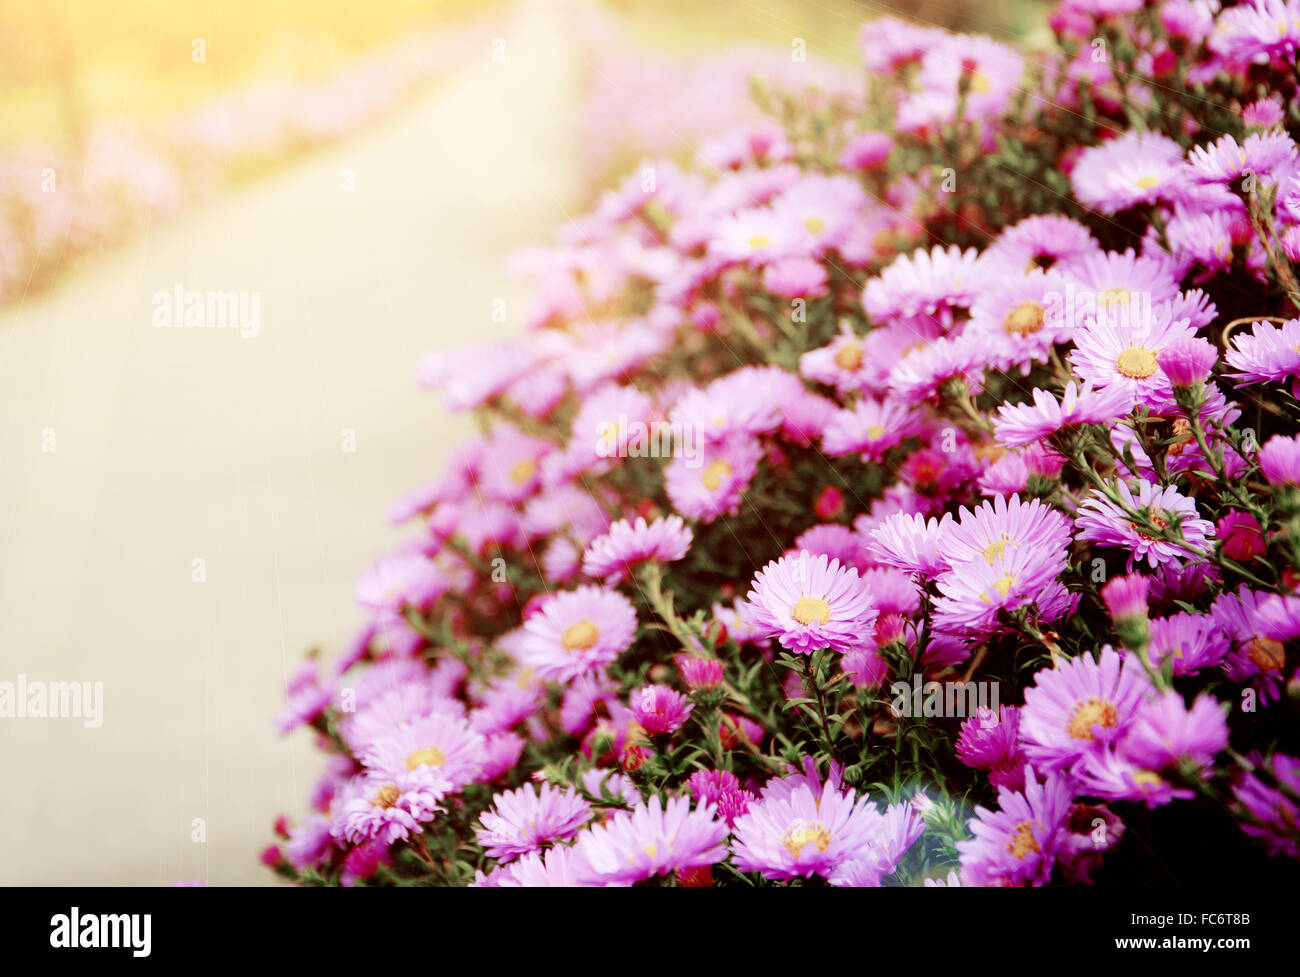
(652, 840)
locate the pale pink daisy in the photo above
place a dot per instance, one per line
(624, 545)
(809, 602)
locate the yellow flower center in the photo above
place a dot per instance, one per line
(386, 796)
(1146, 779)
(875, 432)
(1136, 362)
(996, 549)
(759, 241)
(1114, 296)
(1004, 583)
(800, 836)
(432, 757)
(1147, 182)
(714, 474)
(523, 471)
(1023, 842)
(1094, 712)
(849, 357)
(979, 82)
(1024, 320)
(581, 636)
(810, 609)
(815, 225)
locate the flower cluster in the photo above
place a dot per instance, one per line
(905, 491)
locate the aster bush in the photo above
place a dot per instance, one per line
(906, 491)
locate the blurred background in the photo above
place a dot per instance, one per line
(184, 510)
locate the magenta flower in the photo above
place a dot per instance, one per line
(911, 542)
(1020, 425)
(1165, 733)
(1103, 521)
(524, 820)
(1126, 597)
(800, 833)
(988, 531)
(1079, 706)
(442, 746)
(1267, 353)
(652, 840)
(700, 673)
(660, 709)
(1267, 813)
(577, 632)
(1019, 843)
(808, 602)
(991, 741)
(1279, 460)
(625, 544)
(1193, 641)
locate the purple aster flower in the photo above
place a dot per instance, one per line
(1079, 706)
(1111, 776)
(558, 867)
(1166, 733)
(1193, 641)
(652, 840)
(578, 631)
(800, 833)
(707, 786)
(868, 429)
(442, 745)
(1267, 353)
(1259, 29)
(1102, 521)
(1024, 424)
(375, 808)
(923, 288)
(991, 741)
(1042, 241)
(700, 673)
(1267, 813)
(1225, 160)
(524, 820)
(919, 375)
(991, 528)
(1126, 354)
(808, 602)
(1137, 168)
(910, 542)
(1019, 843)
(1126, 597)
(1187, 362)
(1279, 460)
(973, 594)
(625, 544)
(896, 831)
(712, 484)
(659, 709)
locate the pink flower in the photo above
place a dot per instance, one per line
(659, 709)
(808, 602)
(612, 555)
(578, 632)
